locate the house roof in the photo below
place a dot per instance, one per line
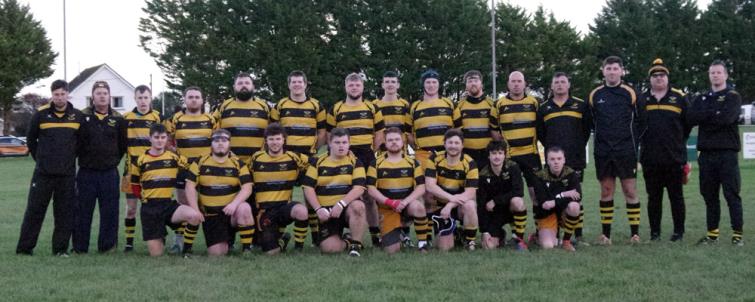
(86, 73)
(83, 76)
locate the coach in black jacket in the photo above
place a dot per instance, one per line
(102, 145)
(716, 112)
(663, 152)
(52, 141)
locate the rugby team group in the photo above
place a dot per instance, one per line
(449, 169)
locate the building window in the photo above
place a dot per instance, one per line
(117, 102)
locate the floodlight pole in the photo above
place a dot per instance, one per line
(492, 46)
(65, 53)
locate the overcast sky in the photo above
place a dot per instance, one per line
(105, 31)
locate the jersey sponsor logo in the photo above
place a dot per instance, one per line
(601, 101)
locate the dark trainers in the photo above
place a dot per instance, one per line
(655, 237)
(128, 248)
(471, 245)
(676, 237)
(707, 241)
(518, 244)
(283, 241)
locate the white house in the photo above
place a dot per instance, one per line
(121, 91)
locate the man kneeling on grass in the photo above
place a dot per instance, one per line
(451, 178)
(153, 177)
(332, 186)
(558, 195)
(219, 184)
(397, 182)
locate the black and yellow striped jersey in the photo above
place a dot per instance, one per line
(301, 121)
(476, 118)
(246, 120)
(452, 178)
(395, 180)
(567, 126)
(275, 177)
(137, 131)
(218, 183)
(429, 122)
(333, 179)
(192, 134)
(157, 174)
(518, 123)
(363, 121)
(395, 113)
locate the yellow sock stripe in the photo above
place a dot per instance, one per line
(246, 233)
(570, 224)
(606, 215)
(421, 228)
(581, 221)
(713, 233)
(468, 234)
(300, 234)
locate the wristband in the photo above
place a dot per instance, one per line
(393, 203)
(342, 204)
(318, 209)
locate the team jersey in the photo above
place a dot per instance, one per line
(395, 113)
(218, 183)
(333, 179)
(157, 175)
(246, 120)
(192, 134)
(548, 186)
(476, 117)
(362, 121)
(517, 121)
(275, 177)
(137, 131)
(452, 178)
(567, 126)
(614, 112)
(301, 121)
(395, 180)
(429, 122)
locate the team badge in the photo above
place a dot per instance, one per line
(404, 172)
(344, 170)
(110, 122)
(721, 98)
(71, 117)
(167, 163)
(307, 113)
(283, 166)
(228, 172)
(363, 115)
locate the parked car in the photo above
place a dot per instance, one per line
(12, 146)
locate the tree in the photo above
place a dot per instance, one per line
(25, 51)
(728, 32)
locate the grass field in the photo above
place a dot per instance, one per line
(648, 272)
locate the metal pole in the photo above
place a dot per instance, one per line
(492, 46)
(65, 53)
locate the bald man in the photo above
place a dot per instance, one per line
(517, 120)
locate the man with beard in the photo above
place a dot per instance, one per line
(333, 184)
(153, 178)
(101, 148)
(364, 122)
(275, 171)
(475, 115)
(138, 123)
(451, 178)
(397, 182)
(304, 120)
(218, 186)
(190, 131)
(565, 121)
(245, 117)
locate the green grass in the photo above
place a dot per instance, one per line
(653, 272)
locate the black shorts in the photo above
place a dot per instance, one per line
(155, 216)
(580, 174)
(493, 222)
(364, 154)
(391, 237)
(623, 167)
(217, 226)
(444, 227)
(334, 226)
(480, 156)
(529, 164)
(181, 177)
(269, 220)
